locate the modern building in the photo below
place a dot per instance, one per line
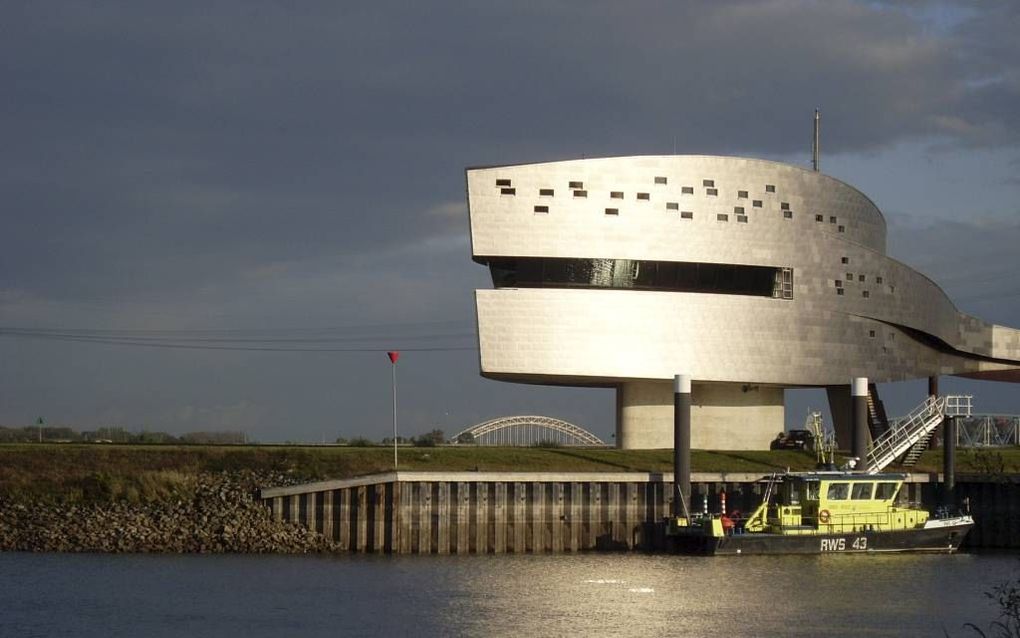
(752, 276)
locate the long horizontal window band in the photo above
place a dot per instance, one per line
(636, 274)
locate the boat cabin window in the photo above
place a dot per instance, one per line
(811, 490)
(862, 491)
(838, 491)
(790, 494)
(886, 491)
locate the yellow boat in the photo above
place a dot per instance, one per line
(823, 512)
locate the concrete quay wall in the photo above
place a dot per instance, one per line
(523, 512)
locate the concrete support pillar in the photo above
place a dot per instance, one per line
(681, 445)
(724, 416)
(933, 386)
(949, 462)
(859, 421)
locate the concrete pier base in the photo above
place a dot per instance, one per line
(724, 416)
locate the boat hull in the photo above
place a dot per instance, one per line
(942, 539)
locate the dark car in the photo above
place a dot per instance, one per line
(794, 440)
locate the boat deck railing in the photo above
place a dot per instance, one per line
(850, 522)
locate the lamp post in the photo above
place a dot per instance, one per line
(394, 356)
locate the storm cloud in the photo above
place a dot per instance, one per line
(217, 165)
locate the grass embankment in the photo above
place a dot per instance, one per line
(90, 473)
(147, 473)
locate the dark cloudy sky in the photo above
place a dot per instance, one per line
(290, 175)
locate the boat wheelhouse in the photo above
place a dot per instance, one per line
(816, 512)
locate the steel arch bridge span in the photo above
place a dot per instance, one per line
(525, 431)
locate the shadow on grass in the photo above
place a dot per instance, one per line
(577, 454)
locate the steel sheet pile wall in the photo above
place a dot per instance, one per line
(493, 516)
(421, 513)
(996, 509)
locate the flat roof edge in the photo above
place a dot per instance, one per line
(532, 477)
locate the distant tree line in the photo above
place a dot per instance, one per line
(62, 434)
(429, 439)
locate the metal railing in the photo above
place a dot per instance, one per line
(905, 433)
(988, 430)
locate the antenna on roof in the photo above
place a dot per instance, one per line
(815, 141)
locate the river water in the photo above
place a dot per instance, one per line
(583, 595)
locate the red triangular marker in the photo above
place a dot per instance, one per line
(393, 356)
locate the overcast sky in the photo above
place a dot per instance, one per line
(258, 175)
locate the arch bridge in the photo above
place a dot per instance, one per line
(526, 431)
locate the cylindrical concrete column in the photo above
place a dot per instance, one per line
(949, 462)
(859, 421)
(681, 445)
(933, 386)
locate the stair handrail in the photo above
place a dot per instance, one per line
(905, 433)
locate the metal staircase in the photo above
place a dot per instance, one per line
(916, 450)
(878, 422)
(906, 433)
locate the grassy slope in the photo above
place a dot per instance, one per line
(103, 472)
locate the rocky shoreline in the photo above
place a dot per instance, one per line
(221, 515)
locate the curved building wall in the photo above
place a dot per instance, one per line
(847, 309)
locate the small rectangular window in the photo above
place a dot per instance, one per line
(576, 185)
(508, 191)
(722, 217)
(839, 291)
(878, 280)
(643, 196)
(892, 289)
(756, 203)
(580, 193)
(660, 180)
(712, 191)
(832, 220)
(612, 211)
(672, 206)
(886, 491)
(742, 219)
(686, 190)
(865, 294)
(862, 491)
(871, 333)
(738, 209)
(819, 218)
(541, 209)
(787, 214)
(838, 491)
(686, 214)
(741, 194)
(850, 277)
(860, 277)
(770, 188)
(839, 283)
(546, 192)
(503, 182)
(616, 195)
(784, 205)
(708, 182)
(841, 228)
(845, 260)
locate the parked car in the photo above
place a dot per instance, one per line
(794, 440)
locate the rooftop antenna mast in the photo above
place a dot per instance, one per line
(815, 141)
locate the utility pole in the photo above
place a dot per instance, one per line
(40, 424)
(394, 356)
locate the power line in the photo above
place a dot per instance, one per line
(249, 348)
(444, 336)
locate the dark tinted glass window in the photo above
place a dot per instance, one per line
(548, 272)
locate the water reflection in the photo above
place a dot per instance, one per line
(592, 594)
